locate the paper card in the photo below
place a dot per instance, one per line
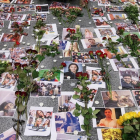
(101, 22)
(44, 8)
(10, 134)
(97, 11)
(71, 48)
(11, 24)
(107, 117)
(129, 62)
(106, 32)
(127, 26)
(46, 88)
(7, 1)
(1, 23)
(95, 77)
(4, 16)
(64, 103)
(17, 17)
(136, 95)
(9, 37)
(23, 2)
(114, 8)
(81, 101)
(6, 8)
(129, 78)
(47, 73)
(120, 98)
(127, 1)
(109, 133)
(111, 55)
(88, 32)
(39, 121)
(84, 57)
(7, 102)
(71, 69)
(34, 17)
(116, 16)
(92, 43)
(64, 5)
(66, 122)
(103, 2)
(23, 8)
(4, 54)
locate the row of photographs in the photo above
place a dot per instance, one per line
(120, 98)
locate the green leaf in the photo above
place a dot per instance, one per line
(137, 125)
(75, 96)
(40, 57)
(77, 90)
(22, 75)
(87, 116)
(96, 111)
(138, 138)
(35, 74)
(93, 116)
(83, 127)
(77, 106)
(128, 129)
(90, 110)
(118, 57)
(88, 134)
(84, 111)
(86, 121)
(76, 112)
(138, 133)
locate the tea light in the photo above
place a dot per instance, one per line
(3, 49)
(129, 52)
(127, 19)
(42, 66)
(110, 22)
(59, 22)
(54, 60)
(83, 65)
(60, 56)
(89, 22)
(43, 41)
(80, 20)
(75, 132)
(96, 102)
(11, 31)
(68, 77)
(5, 45)
(54, 18)
(108, 63)
(23, 43)
(93, 6)
(120, 87)
(0, 30)
(48, 13)
(72, 84)
(28, 44)
(41, 104)
(33, 34)
(53, 97)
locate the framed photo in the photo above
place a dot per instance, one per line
(7, 103)
(120, 98)
(103, 2)
(64, 5)
(97, 12)
(4, 16)
(64, 103)
(101, 22)
(81, 101)
(127, 26)
(23, 2)
(6, 1)
(71, 69)
(106, 133)
(107, 117)
(95, 76)
(44, 8)
(111, 55)
(88, 32)
(4, 55)
(10, 134)
(12, 23)
(6, 7)
(129, 78)
(114, 8)
(39, 121)
(136, 94)
(23, 8)
(47, 89)
(70, 48)
(17, 17)
(129, 62)
(34, 17)
(1, 23)
(84, 57)
(116, 16)
(106, 32)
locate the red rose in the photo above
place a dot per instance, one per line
(17, 43)
(38, 7)
(63, 64)
(34, 63)
(73, 31)
(101, 56)
(90, 52)
(68, 30)
(96, 12)
(78, 74)
(12, 9)
(121, 28)
(104, 38)
(24, 65)
(24, 94)
(29, 51)
(17, 93)
(34, 52)
(85, 75)
(109, 39)
(17, 65)
(99, 52)
(105, 55)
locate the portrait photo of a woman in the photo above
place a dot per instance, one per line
(72, 69)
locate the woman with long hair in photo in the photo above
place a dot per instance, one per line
(46, 123)
(40, 114)
(71, 124)
(88, 34)
(38, 122)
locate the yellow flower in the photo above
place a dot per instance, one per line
(120, 120)
(127, 116)
(138, 114)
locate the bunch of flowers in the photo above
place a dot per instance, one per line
(38, 8)
(74, 8)
(111, 134)
(121, 30)
(130, 122)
